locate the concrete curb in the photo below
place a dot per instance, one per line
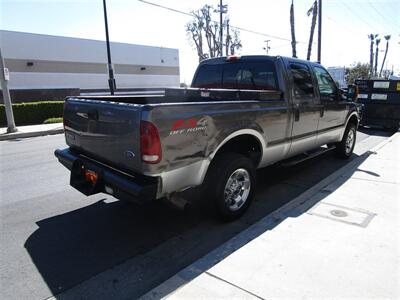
(200, 266)
(18, 135)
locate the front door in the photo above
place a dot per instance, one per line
(305, 109)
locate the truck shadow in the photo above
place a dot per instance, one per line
(73, 247)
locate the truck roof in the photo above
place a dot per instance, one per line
(223, 59)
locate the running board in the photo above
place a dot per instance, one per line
(305, 156)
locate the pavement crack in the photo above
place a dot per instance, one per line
(234, 285)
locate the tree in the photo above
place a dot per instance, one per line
(292, 30)
(371, 53)
(204, 34)
(387, 38)
(377, 41)
(357, 71)
(314, 11)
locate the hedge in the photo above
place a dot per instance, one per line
(53, 120)
(33, 112)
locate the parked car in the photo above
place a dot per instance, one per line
(240, 114)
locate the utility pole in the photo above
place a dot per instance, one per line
(267, 47)
(111, 80)
(319, 29)
(4, 77)
(222, 9)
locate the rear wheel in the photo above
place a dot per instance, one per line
(231, 184)
(344, 149)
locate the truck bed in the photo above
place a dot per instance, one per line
(107, 128)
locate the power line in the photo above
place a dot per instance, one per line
(235, 27)
(354, 13)
(379, 13)
(372, 28)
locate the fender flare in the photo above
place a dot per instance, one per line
(353, 113)
(237, 133)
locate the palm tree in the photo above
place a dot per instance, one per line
(387, 38)
(292, 30)
(376, 56)
(314, 11)
(371, 54)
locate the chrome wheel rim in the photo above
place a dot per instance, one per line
(237, 189)
(350, 141)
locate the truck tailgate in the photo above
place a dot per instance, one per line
(105, 131)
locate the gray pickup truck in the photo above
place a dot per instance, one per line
(240, 114)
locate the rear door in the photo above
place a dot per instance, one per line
(333, 108)
(305, 108)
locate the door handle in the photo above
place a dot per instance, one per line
(321, 111)
(296, 113)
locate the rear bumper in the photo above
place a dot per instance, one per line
(136, 188)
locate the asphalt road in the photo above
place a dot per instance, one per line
(53, 238)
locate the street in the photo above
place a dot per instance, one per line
(53, 238)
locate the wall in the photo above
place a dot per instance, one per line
(40, 61)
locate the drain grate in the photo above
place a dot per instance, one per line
(342, 214)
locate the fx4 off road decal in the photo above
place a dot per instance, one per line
(183, 126)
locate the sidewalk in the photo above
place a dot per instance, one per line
(31, 131)
(340, 239)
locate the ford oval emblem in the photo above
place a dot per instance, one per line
(129, 154)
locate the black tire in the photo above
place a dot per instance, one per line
(222, 168)
(343, 149)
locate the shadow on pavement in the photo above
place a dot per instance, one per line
(73, 247)
(376, 131)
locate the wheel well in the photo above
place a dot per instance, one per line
(246, 144)
(353, 119)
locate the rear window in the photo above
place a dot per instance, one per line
(208, 76)
(249, 76)
(238, 75)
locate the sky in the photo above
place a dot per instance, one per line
(346, 24)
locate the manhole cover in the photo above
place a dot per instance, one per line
(342, 214)
(338, 213)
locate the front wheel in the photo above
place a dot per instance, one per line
(231, 184)
(345, 147)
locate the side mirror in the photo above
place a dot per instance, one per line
(352, 92)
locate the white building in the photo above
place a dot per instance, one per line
(48, 62)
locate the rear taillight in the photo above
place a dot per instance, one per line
(150, 145)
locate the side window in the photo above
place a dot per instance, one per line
(250, 76)
(326, 85)
(302, 81)
(208, 76)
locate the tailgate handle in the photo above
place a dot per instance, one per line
(93, 114)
